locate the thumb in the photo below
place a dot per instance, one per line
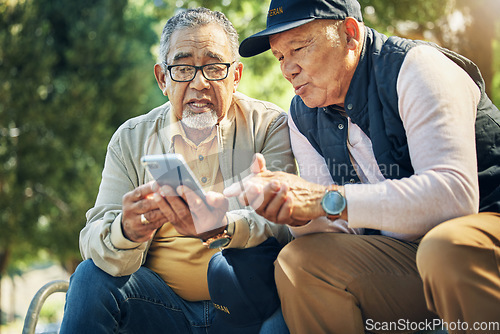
(216, 200)
(258, 164)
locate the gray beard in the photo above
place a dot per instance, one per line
(199, 121)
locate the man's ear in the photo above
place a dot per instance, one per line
(161, 78)
(353, 33)
(238, 71)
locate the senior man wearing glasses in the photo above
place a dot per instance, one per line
(145, 268)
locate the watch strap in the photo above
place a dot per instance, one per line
(333, 187)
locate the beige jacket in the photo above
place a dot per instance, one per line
(250, 126)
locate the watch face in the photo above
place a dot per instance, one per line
(218, 243)
(333, 203)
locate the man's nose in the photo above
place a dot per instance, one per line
(199, 82)
(290, 69)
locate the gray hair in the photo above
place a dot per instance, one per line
(195, 18)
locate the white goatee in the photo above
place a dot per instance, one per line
(199, 121)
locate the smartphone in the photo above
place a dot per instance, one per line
(171, 169)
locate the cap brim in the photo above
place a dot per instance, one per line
(259, 42)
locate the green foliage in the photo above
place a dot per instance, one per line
(262, 77)
(51, 311)
(467, 27)
(419, 19)
(495, 96)
(72, 72)
(383, 15)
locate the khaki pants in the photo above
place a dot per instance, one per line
(340, 283)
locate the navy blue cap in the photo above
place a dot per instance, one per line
(284, 15)
(242, 287)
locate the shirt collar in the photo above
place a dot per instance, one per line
(177, 131)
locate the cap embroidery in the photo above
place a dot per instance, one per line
(222, 308)
(275, 11)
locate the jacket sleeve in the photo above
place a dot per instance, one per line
(437, 104)
(250, 229)
(102, 239)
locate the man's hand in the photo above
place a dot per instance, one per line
(135, 203)
(277, 196)
(190, 215)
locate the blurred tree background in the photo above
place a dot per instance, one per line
(72, 71)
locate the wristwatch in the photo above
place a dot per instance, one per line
(218, 241)
(333, 202)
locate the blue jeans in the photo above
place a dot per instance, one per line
(97, 302)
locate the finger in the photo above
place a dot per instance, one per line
(275, 195)
(155, 186)
(138, 200)
(183, 222)
(219, 206)
(205, 218)
(174, 199)
(142, 206)
(238, 187)
(179, 205)
(153, 219)
(233, 190)
(253, 196)
(284, 215)
(216, 200)
(195, 203)
(164, 207)
(258, 164)
(139, 193)
(243, 196)
(166, 191)
(137, 230)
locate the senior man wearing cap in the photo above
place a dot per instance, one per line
(395, 140)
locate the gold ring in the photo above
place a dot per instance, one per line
(144, 220)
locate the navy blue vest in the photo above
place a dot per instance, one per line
(372, 104)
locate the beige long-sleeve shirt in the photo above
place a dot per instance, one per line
(250, 126)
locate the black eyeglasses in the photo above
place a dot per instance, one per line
(211, 72)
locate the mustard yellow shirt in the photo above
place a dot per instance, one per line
(182, 261)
